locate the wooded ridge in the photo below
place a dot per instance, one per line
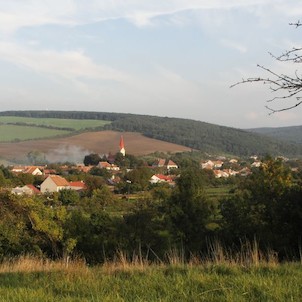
(197, 135)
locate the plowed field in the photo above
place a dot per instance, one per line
(74, 148)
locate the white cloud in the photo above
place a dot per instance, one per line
(234, 45)
(15, 14)
(67, 64)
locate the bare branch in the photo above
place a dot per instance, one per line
(297, 24)
(285, 85)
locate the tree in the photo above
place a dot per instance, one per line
(190, 211)
(282, 85)
(91, 159)
(266, 205)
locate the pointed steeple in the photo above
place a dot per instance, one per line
(122, 146)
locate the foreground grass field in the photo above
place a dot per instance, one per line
(34, 280)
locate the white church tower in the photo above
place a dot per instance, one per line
(122, 146)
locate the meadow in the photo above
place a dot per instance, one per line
(36, 280)
(14, 129)
(73, 124)
(15, 133)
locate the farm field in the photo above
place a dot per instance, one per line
(9, 133)
(32, 281)
(77, 146)
(54, 122)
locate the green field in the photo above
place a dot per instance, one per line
(13, 128)
(54, 122)
(10, 133)
(122, 281)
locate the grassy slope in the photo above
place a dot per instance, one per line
(10, 133)
(55, 122)
(222, 282)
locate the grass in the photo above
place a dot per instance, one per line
(12, 131)
(218, 192)
(54, 122)
(250, 278)
(9, 133)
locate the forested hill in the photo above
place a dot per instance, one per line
(291, 134)
(194, 134)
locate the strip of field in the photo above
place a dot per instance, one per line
(54, 122)
(9, 133)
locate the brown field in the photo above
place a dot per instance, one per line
(74, 148)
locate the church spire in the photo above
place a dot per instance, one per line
(122, 146)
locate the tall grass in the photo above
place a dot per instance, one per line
(221, 275)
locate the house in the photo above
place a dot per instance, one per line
(160, 162)
(208, 164)
(25, 190)
(83, 168)
(107, 166)
(160, 178)
(54, 183)
(256, 164)
(218, 164)
(220, 173)
(77, 185)
(163, 163)
(33, 170)
(171, 165)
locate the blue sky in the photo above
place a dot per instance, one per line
(173, 58)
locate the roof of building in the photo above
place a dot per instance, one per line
(33, 188)
(59, 181)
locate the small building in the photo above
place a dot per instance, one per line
(77, 185)
(25, 190)
(160, 178)
(54, 183)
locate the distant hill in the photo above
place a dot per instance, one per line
(193, 134)
(291, 134)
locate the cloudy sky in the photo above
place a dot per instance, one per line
(173, 58)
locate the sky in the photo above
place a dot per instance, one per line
(175, 58)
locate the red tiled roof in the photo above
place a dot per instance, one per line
(34, 189)
(59, 181)
(79, 184)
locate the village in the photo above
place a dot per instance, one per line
(52, 178)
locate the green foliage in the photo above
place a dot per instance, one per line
(68, 197)
(266, 205)
(138, 179)
(92, 159)
(190, 211)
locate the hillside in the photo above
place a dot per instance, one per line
(288, 134)
(192, 134)
(74, 148)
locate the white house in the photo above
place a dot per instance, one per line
(25, 190)
(54, 183)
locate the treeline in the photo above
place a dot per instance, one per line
(266, 207)
(194, 134)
